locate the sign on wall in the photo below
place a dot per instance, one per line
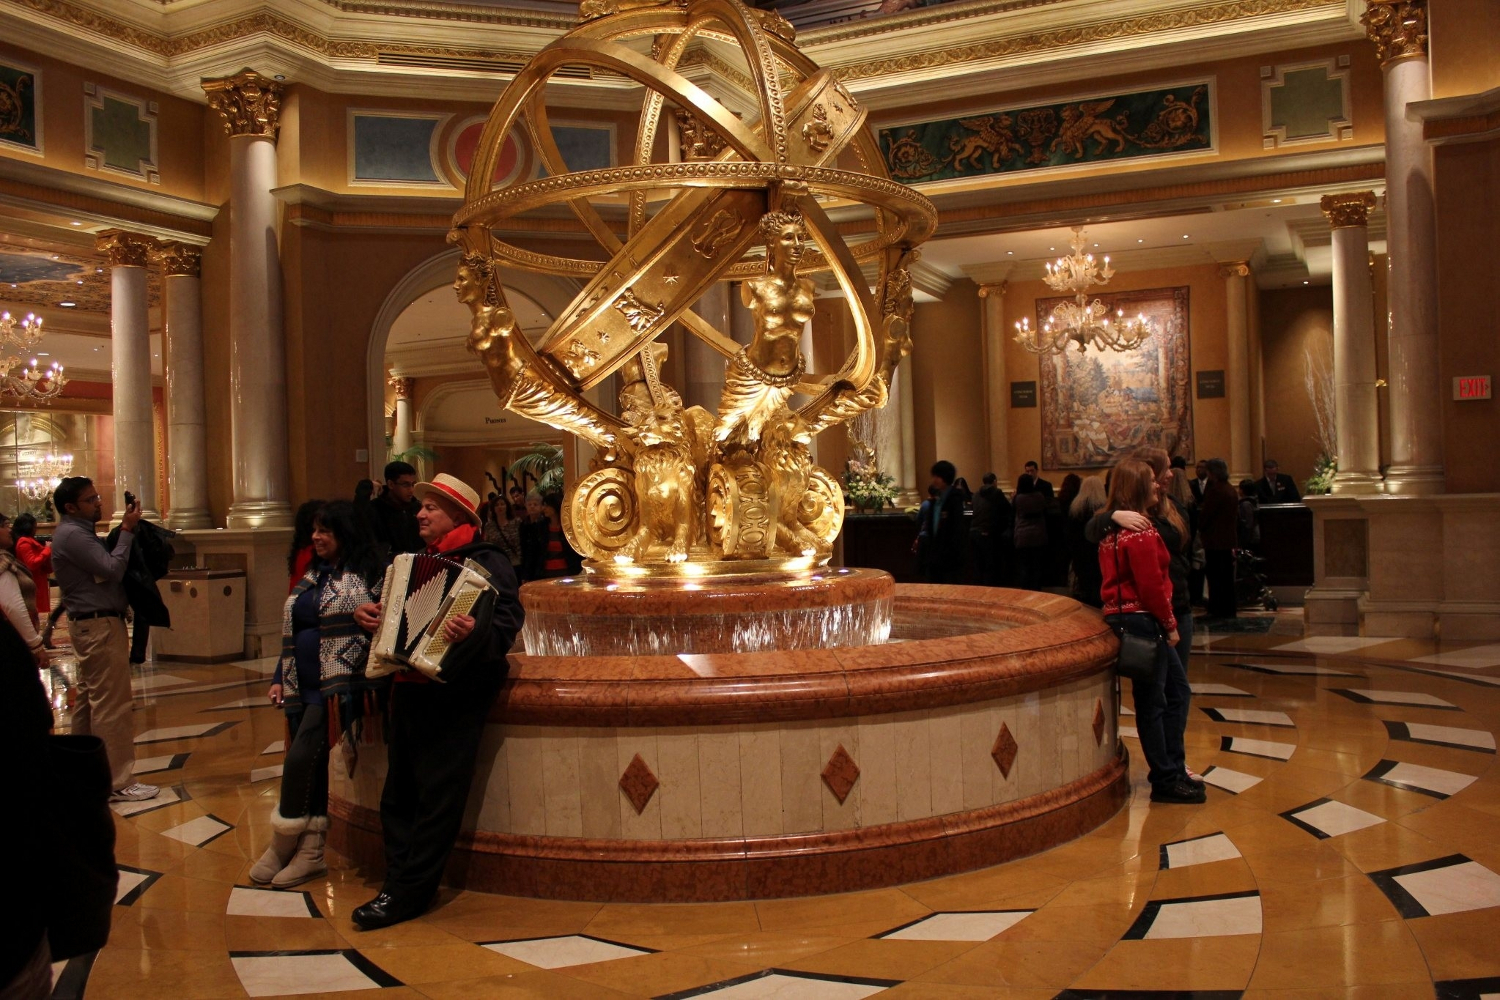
(1097, 405)
(1022, 395)
(1211, 384)
(1166, 120)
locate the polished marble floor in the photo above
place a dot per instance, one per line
(1348, 848)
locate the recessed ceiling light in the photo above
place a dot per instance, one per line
(98, 270)
(75, 223)
(280, 76)
(1307, 282)
(96, 350)
(80, 281)
(1096, 246)
(43, 354)
(1054, 249)
(1276, 201)
(1140, 241)
(67, 305)
(54, 256)
(1010, 253)
(1184, 235)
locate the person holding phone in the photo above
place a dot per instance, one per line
(91, 578)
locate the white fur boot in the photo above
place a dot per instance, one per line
(284, 835)
(307, 863)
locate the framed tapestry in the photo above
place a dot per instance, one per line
(1096, 405)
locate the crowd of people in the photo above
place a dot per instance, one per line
(1038, 538)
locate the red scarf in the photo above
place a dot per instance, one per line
(463, 534)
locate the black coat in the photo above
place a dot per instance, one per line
(150, 558)
(392, 525)
(1283, 491)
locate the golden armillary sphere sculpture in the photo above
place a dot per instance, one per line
(674, 490)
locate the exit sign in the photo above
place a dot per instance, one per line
(1471, 387)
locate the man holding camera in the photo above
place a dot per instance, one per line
(91, 578)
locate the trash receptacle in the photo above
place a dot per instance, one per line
(208, 616)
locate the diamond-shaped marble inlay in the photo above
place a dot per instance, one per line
(840, 773)
(1004, 750)
(1098, 721)
(638, 783)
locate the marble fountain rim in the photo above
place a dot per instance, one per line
(1049, 640)
(735, 595)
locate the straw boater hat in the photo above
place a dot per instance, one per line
(453, 490)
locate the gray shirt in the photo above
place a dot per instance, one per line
(89, 574)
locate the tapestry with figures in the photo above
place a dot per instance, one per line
(19, 107)
(1095, 130)
(1096, 405)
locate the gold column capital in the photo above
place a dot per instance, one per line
(403, 384)
(122, 248)
(1398, 28)
(1347, 211)
(178, 259)
(995, 288)
(249, 103)
(1235, 269)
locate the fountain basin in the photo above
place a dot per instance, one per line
(985, 733)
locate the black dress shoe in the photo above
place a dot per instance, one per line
(383, 911)
(1181, 792)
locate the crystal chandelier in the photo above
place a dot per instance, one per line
(40, 477)
(1082, 322)
(32, 381)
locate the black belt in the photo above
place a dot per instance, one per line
(85, 616)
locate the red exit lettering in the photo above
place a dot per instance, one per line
(1471, 387)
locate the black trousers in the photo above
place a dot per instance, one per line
(1220, 573)
(434, 738)
(304, 775)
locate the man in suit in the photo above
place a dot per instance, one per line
(1276, 486)
(1199, 484)
(1042, 486)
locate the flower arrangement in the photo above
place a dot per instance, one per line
(1324, 469)
(866, 487)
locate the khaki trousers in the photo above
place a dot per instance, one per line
(104, 706)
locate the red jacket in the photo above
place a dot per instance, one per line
(1143, 582)
(37, 558)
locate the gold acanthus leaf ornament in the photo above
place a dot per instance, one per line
(249, 103)
(1346, 211)
(1398, 28)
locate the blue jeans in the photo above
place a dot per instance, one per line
(1160, 719)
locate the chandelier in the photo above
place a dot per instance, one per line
(1082, 322)
(40, 477)
(30, 381)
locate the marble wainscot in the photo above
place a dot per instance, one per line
(982, 731)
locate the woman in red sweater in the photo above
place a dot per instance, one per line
(1135, 566)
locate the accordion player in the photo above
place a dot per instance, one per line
(421, 594)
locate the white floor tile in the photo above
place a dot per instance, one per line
(165, 797)
(198, 832)
(1467, 886)
(245, 902)
(278, 747)
(1482, 680)
(1220, 689)
(1129, 732)
(280, 975)
(1258, 748)
(263, 773)
(1398, 697)
(1331, 644)
(175, 732)
(791, 986)
(1206, 918)
(958, 926)
(166, 762)
(1230, 781)
(562, 952)
(1431, 779)
(1333, 819)
(1479, 739)
(1126, 710)
(1200, 851)
(129, 882)
(1474, 658)
(1250, 716)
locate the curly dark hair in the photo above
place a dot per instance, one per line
(302, 530)
(357, 550)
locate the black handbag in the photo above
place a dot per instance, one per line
(81, 830)
(1142, 645)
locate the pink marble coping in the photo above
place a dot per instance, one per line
(827, 587)
(1023, 641)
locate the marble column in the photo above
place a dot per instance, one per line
(1399, 30)
(401, 440)
(250, 106)
(702, 365)
(1356, 414)
(996, 386)
(130, 366)
(1237, 326)
(182, 351)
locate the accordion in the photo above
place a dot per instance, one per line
(422, 593)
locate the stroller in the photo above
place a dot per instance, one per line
(1250, 590)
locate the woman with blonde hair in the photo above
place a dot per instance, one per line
(1137, 591)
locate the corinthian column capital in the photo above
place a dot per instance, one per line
(996, 289)
(123, 248)
(249, 103)
(1347, 211)
(178, 259)
(1398, 28)
(1235, 269)
(403, 384)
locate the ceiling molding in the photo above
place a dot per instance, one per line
(101, 204)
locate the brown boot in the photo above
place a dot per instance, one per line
(284, 835)
(307, 863)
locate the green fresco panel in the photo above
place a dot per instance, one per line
(1305, 103)
(1068, 133)
(120, 135)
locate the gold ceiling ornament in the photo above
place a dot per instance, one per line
(1398, 28)
(1082, 322)
(1346, 211)
(249, 103)
(677, 491)
(178, 260)
(122, 248)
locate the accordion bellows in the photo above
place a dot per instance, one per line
(422, 593)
